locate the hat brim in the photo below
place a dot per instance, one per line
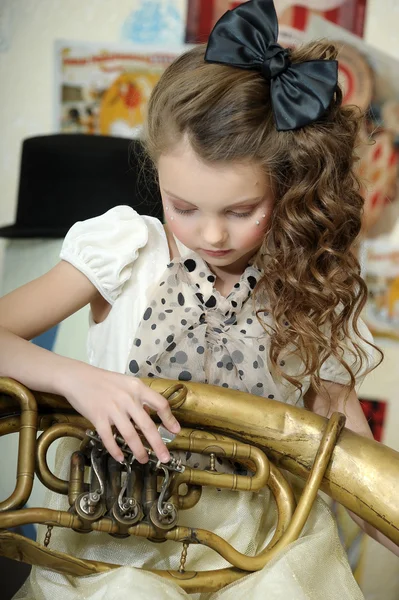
(17, 231)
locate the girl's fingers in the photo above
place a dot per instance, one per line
(125, 427)
(105, 432)
(151, 434)
(161, 406)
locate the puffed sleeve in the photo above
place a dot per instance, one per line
(332, 370)
(104, 248)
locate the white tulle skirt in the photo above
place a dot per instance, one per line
(313, 567)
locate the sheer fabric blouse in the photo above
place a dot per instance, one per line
(215, 339)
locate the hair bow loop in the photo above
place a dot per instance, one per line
(246, 37)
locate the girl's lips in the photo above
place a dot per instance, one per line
(216, 252)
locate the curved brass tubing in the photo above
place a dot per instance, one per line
(285, 502)
(228, 449)
(323, 457)
(46, 516)
(146, 530)
(26, 447)
(19, 548)
(57, 431)
(76, 484)
(11, 424)
(363, 474)
(292, 529)
(188, 500)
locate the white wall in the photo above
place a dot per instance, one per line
(29, 28)
(26, 70)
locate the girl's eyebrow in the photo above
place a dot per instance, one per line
(237, 203)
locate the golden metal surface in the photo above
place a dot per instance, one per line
(361, 474)
(43, 472)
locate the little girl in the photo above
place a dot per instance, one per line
(251, 285)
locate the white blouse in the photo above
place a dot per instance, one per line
(125, 255)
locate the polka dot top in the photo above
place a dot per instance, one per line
(189, 331)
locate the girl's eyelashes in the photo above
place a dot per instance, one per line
(187, 212)
(183, 212)
(242, 215)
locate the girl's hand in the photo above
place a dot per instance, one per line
(106, 398)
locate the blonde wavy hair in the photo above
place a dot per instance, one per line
(311, 280)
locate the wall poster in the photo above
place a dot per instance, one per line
(293, 16)
(104, 89)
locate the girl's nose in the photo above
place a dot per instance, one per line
(214, 234)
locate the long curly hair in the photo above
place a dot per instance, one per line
(311, 280)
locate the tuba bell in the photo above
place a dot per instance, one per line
(261, 435)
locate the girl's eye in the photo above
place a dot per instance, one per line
(241, 215)
(189, 211)
(183, 212)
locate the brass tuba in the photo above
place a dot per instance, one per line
(126, 499)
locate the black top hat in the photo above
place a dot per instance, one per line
(66, 178)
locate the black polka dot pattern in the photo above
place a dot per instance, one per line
(133, 367)
(211, 302)
(200, 334)
(232, 320)
(147, 313)
(180, 299)
(185, 376)
(190, 265)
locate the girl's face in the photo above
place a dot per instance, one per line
(221, 212)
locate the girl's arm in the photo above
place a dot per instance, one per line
(103, 397)
(355, 421)
(29, 311)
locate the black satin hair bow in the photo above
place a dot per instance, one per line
(246, 37)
